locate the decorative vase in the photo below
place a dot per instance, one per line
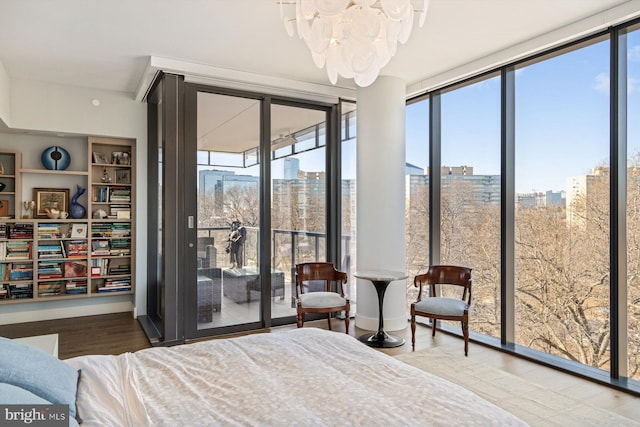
(55, 158)
(76, 210)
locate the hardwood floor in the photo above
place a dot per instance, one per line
(118, 333)
(79, 336)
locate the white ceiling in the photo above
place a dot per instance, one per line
(107, 44)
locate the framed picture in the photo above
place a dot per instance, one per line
(95, 271)
(50, 198)
(78, 230)
(121, 158)
(100, 158)
(123, 176)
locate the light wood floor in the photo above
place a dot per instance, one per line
(118, 333)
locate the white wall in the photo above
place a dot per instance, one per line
(67, 112)
(4, 96)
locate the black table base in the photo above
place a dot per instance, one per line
(381, 340)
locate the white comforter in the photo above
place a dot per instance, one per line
(301, 377)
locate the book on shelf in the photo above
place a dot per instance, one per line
(100, 248)
(76, 248)
(21, 231)
(50, 288)
(18, 250)
(73, 287)
(115, 285)
(50, 250)
(49, 231)
(49, 269)
(21, 271)
(101, 194)
(20, 290)
(118, 269)
(99, 266)
(120, 194)
(120, 247)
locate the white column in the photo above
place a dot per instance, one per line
(381, 199)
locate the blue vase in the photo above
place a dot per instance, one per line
(76, 210)
(55, 158)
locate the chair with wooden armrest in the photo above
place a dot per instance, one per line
(325, 301)
(439, 307)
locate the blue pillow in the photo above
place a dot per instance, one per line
(12, 395)
(38, 372)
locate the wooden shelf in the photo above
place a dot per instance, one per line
(39, 177)
(54, 172)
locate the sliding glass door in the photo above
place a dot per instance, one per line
(298, 198)
(228, 285)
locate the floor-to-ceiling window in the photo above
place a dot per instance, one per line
(298, 198)
(348, 194)
(470, 193)
(417, 192)
(562, 204)
(631, 89)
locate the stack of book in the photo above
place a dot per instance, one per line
(120, 211)
(73, 287)
(21, 271)
(48, 289)
(101, 229)
(18, 249)
(77, 248)
(49, 231)
(20, 290)
(120, 194)
(50, 270)
(3, 231)
(21, 231)
(121, 229)
(4, 293)
(117, 269)
(120, 247)
(50, 250)
(115, 285)
(100, 248)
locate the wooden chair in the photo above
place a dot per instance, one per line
(327, 301)
(443, 308)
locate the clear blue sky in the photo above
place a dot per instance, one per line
(562, 119)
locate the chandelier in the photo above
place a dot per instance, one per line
(352, 38)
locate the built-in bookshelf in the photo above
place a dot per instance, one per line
(9, 183)
(44, 259)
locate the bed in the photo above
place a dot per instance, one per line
(306, 377)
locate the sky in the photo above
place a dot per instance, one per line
(562, 119)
